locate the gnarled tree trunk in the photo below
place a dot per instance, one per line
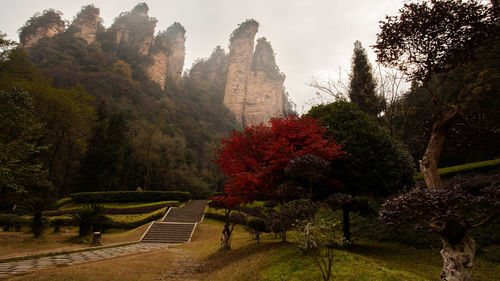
(227, 231)
(443, 119)
(458, 259)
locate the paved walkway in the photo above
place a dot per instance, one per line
(16, 267)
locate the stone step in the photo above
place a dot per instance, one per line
(178, 224)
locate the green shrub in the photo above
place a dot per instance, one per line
(129, 196)
(256, 226)
(11, 220)
(235, 217)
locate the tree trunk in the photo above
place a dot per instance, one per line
(430, 160)
(458, 259)
(283, 235)
(226, 232)
(346, 223)
(37, 224)
(443, 119)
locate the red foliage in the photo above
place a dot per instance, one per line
(255, 159)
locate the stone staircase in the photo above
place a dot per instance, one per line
(178, 224)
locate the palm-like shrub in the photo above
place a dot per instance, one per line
(89, 217)
(35, 207)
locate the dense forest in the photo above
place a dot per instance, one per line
(94, 121)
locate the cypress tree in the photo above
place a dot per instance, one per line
(362, 87)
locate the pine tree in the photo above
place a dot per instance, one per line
(362, 87)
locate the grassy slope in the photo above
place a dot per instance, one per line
(271, 260)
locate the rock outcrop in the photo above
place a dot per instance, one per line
(37, 27)
(134, 29)
(157, 71)
(239, 63)
(86, 23)
(264, 97)
(254, 88)
(212, 71)
(176, 42)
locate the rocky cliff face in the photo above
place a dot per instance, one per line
(159, 51)
(264, 98)
(254, 88)
(158, 69)
(86, 23)
(48, 24)
(239, 63)
(176, 42)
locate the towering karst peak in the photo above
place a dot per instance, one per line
(254, 89)
(241, 49)
(135, 28)
(176, 38)
(211, 70)
(140, 9)
(86, 23)
(264, 59)
(246, 29)
(47, 24)
(167, 53)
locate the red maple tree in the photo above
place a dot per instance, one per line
(255, 159)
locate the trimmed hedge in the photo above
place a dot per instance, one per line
(465, 168)
(117, 211)
(61, 202)
(129, 196)
(136, 223)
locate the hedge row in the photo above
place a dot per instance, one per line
(116, 211)
(129, 196)
(465, 168)
(136, 223)
(14, 221)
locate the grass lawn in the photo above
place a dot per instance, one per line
(270, 260)
(15, 244)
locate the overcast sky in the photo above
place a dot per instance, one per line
(309, 37)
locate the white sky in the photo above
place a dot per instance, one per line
(309, 37)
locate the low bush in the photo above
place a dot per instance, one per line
(257, 211)
(235, 217)
(11, 220)
(257, 226)
(129, 196)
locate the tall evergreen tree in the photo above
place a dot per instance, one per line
(102, 167)
(362, 87)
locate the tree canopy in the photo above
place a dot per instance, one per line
(255, 159)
